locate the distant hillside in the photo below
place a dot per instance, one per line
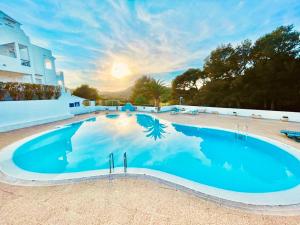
(124, 94)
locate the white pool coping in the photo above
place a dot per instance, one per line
(285, 197)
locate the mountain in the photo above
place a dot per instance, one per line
(124, 94)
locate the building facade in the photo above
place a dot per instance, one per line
(22, 61)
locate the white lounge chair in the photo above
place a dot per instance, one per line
(191, 112)
(173, 113)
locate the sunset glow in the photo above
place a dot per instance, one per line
(120, 70)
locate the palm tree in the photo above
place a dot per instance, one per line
(155, 89)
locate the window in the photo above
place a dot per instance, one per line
(24, 55)
(48, 64)
(8, 50)
(75, 104)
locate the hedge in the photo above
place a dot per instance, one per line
(14, 91)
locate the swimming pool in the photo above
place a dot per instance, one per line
(213, 161)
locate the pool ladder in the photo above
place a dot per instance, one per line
(111, 162)
(241, 134)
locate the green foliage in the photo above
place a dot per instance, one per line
(84, 91)
(166, 95)
(149, 91)
(25, 91)
(187, 86)
(139, 94)
(140, 100)
(263, 75)
(86, 103)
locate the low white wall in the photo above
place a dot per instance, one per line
(107, 108)
(20, 114)
(264, 114)
(82, 110)
(146, 109)
(168, 108)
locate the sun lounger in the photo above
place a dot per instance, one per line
(286, 132)
(296, 137)
(292, 134)
(173, 113)
(256, 116)
(284, 118)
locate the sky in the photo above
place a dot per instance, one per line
(159, 38)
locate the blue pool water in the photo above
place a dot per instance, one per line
(208, 156)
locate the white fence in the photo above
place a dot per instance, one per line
(20, 114)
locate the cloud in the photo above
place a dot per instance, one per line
(152, 37)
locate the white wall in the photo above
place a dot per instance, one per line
(19, 114)
(82, 109)
(168, 108)
(109, 108)
(37, 56)
(146, 109)
(14, 35)
(265, 114)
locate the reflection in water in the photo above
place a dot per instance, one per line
(50, 148)
(154, 128)
(187, 130)
(93, 119)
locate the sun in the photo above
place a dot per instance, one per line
(120, 70)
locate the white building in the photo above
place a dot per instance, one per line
(21, 61)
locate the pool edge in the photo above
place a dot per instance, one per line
(100, 174)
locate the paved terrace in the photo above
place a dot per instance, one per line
(131, 201)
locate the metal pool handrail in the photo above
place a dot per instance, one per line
(111, 162)
(125, 162)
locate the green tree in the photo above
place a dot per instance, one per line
(275, 67)
(155, 89)
(263, 75)
(187, 85)
(139, 95)
(147, 90)
(87, 92)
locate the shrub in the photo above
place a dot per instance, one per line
(25, 91)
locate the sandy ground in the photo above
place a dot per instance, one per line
(130, 201)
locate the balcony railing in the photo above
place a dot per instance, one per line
(25, 62)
